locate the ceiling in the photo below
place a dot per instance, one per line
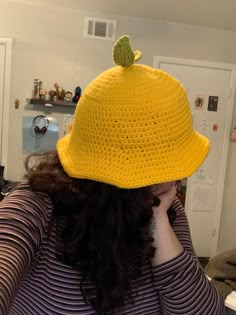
(210, 13)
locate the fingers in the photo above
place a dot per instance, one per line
(159, 189)
(166, 194)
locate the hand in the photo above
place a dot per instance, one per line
(165, 241)
(166, 192)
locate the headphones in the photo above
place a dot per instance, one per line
(40, 125)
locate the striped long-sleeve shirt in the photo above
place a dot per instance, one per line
(34, 282)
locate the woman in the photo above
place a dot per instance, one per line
(96, 228)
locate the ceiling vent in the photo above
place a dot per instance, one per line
(99, 28)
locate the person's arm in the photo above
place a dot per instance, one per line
(23, 222)
(165, 241)
(181, 282)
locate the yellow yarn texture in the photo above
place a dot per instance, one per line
(133, 128)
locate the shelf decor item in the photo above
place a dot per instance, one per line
(36, 89)
(233, 135)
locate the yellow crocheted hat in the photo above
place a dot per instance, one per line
(132, 127)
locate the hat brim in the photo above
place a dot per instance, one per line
(118, 170)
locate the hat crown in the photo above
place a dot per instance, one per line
(132, 127)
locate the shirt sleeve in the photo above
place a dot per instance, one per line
(24, 218)
(181, 282)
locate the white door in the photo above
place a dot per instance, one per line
(5, 72)
(210, 88)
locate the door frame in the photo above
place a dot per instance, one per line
(5, 112)
(231, 93)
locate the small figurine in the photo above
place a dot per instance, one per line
(51, 95)
(42, 94)
(68, 96)
(60, 92)
(77, 95)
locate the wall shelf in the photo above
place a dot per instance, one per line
(48, 103)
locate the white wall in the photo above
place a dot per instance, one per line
(48, 44)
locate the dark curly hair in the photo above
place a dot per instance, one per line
(107, 229)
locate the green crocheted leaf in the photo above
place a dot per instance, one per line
(123, 54)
